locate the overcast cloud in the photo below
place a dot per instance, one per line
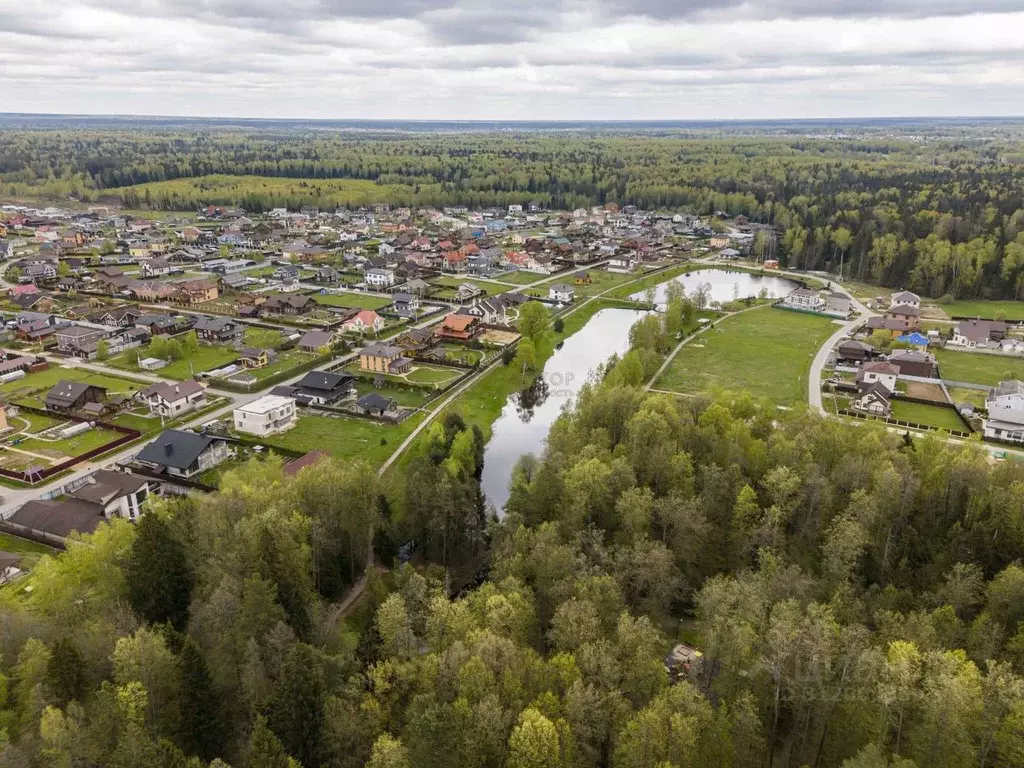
(530, 59)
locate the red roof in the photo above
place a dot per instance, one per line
(24, 290)
(292, 467)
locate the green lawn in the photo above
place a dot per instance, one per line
(44, 380)
(1012, 310)
(520, 278)
(413, 397)
(452, 281)
(430, 375)
(353, 300)
(72, 446)
(462, 354)
(975, 397)
(284, 362)
(978, 367)
(765, 351)
(36, 422)
(345, 438)
(20, 546)
(600, 281)
(205, 358)
(929, 415)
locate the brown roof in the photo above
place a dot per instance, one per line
(292, 467)
(457, 322)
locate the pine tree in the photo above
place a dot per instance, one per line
(200, 711)
(65, 672)
(265, 749)
(297, 711)
(159, 578)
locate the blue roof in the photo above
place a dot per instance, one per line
(914, 338)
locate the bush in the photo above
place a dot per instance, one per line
(559, 325)
(946, 298)
(508, 355)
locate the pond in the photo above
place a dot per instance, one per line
(527, 416)
(726, 285)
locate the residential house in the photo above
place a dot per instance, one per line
(162, 324)
(907, 298)
(804, 298)
(982, 334)
(68, 396)
(151, 290)
(838, 304)
(322, 388)
(56, 520)
(855, 351)
(912, 362)
(184, 454)
(255, 358)
(117, 317)
(459, 327)
(384, 358)
(379, 277)
(328, 275)
(364, 321)
(197, 291)
(882, 372)
(455, 261)
(417, 287)
(373, 404)
(268, 415)
(313, 341)
(155, 267)
(582, 278)
(172, 400)
(416, 339)
(1005, 405)
(79, 341)
(562, 293)
(719, 241)
(874, 399)
(115, 494)
(622, 263)
(286, 271)
(288, 305)
(406, 304)
(907, 314)
(218, 329)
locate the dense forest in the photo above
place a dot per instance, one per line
(941, 215)
(858, 597)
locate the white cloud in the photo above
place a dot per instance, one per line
(475, 59)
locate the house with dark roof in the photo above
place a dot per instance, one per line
(218, 329)
(69, 396)
(978, 334)
(288, 305)
(323, 388)
(383, 358)
(880, 372)
(373, 404)
(116, 494)
(79, 341)
(874, 399)
(312, 341)
(912, 362)
(184, 454)
(55, 521)
(855, 351)
(173, 400)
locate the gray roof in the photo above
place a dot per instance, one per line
(324, 380)
(175, 448)
(374, 402)
(59, 518)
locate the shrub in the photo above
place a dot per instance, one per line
(946, 298)
(559, 325)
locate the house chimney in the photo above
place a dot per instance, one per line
(168, 448)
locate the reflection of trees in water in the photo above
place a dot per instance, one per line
(530, 398)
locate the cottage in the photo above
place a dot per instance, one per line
(69, 396)
(804, 298)
(460, 327)
(838, 304)
(218, 329)
(268, 415)
(562, 293)
(172, 400)
(79, 341)
(881, 372)
(874, 399)
(582, 278)
(906, 298)
(907, 315)
(184, 454)
(115, 494)
(1005, 405)
(254, 358)
(855, 351)
(416, 339)
(911, 362)
(288, 305)
(384, 358)
(373, 404)
(982, 334)
(379, 278)
(406, 304)
(364, 321)
(314, 341)
(56, 520)
(197, 291)
(322, 388)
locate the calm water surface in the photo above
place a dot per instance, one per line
(726, 285)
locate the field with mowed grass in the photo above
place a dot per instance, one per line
(205, 358)
(765, 351)
(989, 310)
(928, 415)
(345, 438)
(521, 278)
(978, 367)
(353, 300)
(41, 382)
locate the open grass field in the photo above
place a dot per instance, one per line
(422, 375)
(204, 359)
(230, 190)
(975, 397)
(354, 300)
(929, 415)
(600, 281)
(42, 381)
(285, 361)
(1011, 310)
(414, 397)
(978, 367)
(520, 278)
(461, 353)
(451, 281)
(345, 438)
(765, 351)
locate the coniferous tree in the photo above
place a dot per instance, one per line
(65, 672)
(159, 578)
(265, 749)
(200, 711)
(297, 711)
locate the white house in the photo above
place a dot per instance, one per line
(378, 277)
(905, 297)
(1005, 406)
(874, 400)
(805, 298)
(266, 416)
(117, 494)
(173, 400)
(880, 372)
(184, 454)
(622, 264)
(514, 208)
(365, 320)
(562, 293)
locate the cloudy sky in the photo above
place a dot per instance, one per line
(518, 59)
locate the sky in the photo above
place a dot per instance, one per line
(520, 59)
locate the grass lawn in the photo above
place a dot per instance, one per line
(766, 351)
(600, 281)
(450, 281)
(521, 278)
(929, 415)
(978, 367)
(353, 300)
(430, 375)
(45, 380)
(20, 546)
(204, 359)
(413, 397)
(975, 397)
(462, 354)
(71, 446)
(36, 422)
(284, 361)
(1012, 310)
(345, 438)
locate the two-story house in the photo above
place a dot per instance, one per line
(1005, 405)
(268, 415)
(172, 400)
(379, 277)
(197, 291)
(184, 454)
(383, 358)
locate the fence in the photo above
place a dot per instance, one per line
(127, 436)
(899, 422)
(270, 381)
